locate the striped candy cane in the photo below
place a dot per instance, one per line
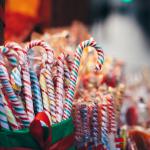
(95, 125)
(78, 123)
(74, 72)
(26, 83)
(69, 62)
(3, 117)
(25, 78)
(104, 122)
(66, 77)
(35, 86)
(42, 80)
(12, 57)
(51, 94)
(111, 115)
(16, 104)
(48, 77)
(10, 114)
(60, 87)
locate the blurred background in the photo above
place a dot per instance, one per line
(122, 27)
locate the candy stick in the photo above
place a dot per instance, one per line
(74, 73)
(37, 98)
(27, 91)
(111, 115)
(26, 84)
(47, 76)
(60, 87)
(51, 94)
(42, 80)
(11, 55)
(3, 117)
(95, 126)
(86, 123)
(10, 115)
(69, 62)
(25, 77)
(16, 104)
(78, 124)
(104, 132)
(66, 77)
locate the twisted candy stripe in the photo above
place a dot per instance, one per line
(16, 104)
(49, 51)
(48, 77)
(111, 115)
(51, 94)
(36, 92)
(104, 129)
(46, 102)
(60, 87)
(69, 62)
(78, 124)
(10, 114)
(66, 77)
(95, 125)
(74, 72)
(3, 117)
(11, 55)
(25, 79)
(86, 123)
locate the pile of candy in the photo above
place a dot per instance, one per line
(28, 88)
(96, 114)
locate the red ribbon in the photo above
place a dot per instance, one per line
(37, 132)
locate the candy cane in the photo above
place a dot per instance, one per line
(60, 87)
(16, 104)
(86, 123)
(95, 126)
(66, 77)
(48, 77)
(104, 129)
(78, 123)
(35, 86)
(51, 94)
(11, 55)
(69, 62)
(25, 77)
(3, 117)
(42, 80)
(10, 114)
(74, 72)
(111, 115)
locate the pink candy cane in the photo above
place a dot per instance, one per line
(60, 87)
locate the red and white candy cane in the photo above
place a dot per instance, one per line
(74, 73)
(111, 115)
(60, 87)
(48, 74)
(17, 105)
(26, 79)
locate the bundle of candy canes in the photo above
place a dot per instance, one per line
(96, 119)
(26, 91)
